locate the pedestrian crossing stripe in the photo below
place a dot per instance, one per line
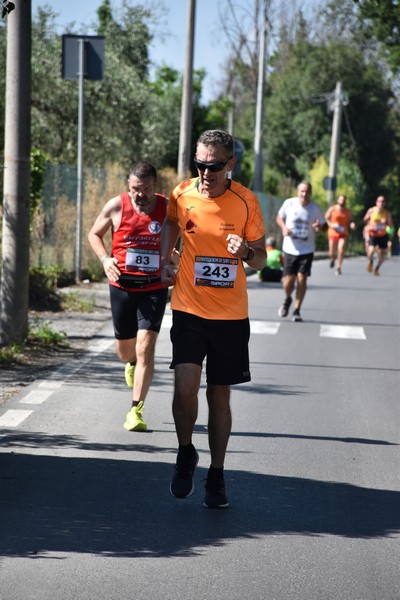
(13, 418)
(51, 385)
(267, 327)
(344, 332)
(37, 396)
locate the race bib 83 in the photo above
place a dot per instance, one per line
(142, 260)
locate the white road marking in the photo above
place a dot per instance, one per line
(345, 332)
(167, 321)
(100, 345)
(36, 397)
(267, 327)
(51, 385)
(13, 418)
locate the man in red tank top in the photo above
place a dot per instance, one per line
(137, 296)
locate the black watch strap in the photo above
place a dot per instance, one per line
(250, 255)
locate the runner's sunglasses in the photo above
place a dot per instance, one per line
(214, 167)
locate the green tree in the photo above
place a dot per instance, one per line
(127, 116)
(54, 102)
(349, 182)
(310, 56)
(346, 20)
(383, 20)
(298, 116)
(162, 117)
(115, 107)
(104, 14)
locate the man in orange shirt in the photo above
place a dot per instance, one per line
(221, 226)
(339, 219)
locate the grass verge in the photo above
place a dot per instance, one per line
(40, 337)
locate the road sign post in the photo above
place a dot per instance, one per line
(82, 58)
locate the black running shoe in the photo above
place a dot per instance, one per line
(182, 484)
(296, 316)
(284, 309)
(215, 490)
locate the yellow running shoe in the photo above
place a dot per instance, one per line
(134, 420)
(129, 374)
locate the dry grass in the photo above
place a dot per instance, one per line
(54, 229)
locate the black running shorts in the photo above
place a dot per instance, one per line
(133, 310)
(379, 240)
(224, 343)
(293, 264)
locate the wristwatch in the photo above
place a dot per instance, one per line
(250, 255)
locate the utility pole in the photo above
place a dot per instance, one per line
(338, 103)
(14, 291)
(185, 137)
(258, 136)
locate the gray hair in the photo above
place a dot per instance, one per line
(217, 137)
(307, 183)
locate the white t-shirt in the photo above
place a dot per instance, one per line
(298, 219)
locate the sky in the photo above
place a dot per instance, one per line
(210, 49)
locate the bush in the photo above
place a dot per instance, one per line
(43, 282)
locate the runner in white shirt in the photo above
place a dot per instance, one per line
(299, 219)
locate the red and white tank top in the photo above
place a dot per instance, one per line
(136, 242)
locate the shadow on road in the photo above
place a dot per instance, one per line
(113, 507)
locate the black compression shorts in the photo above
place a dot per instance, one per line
(133, 310)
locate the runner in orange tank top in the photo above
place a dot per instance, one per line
(221, 227)
(339, 220)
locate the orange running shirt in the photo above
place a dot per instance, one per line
(342, 219)
(211, 283)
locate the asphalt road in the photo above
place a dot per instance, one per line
(312, 469)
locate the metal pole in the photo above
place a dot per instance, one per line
(335, 139)
(231, 116)
(258, 136)
(79, 196)
(185, 137)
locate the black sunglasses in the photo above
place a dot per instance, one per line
(214, 167)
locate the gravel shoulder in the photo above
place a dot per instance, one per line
(79, 328)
